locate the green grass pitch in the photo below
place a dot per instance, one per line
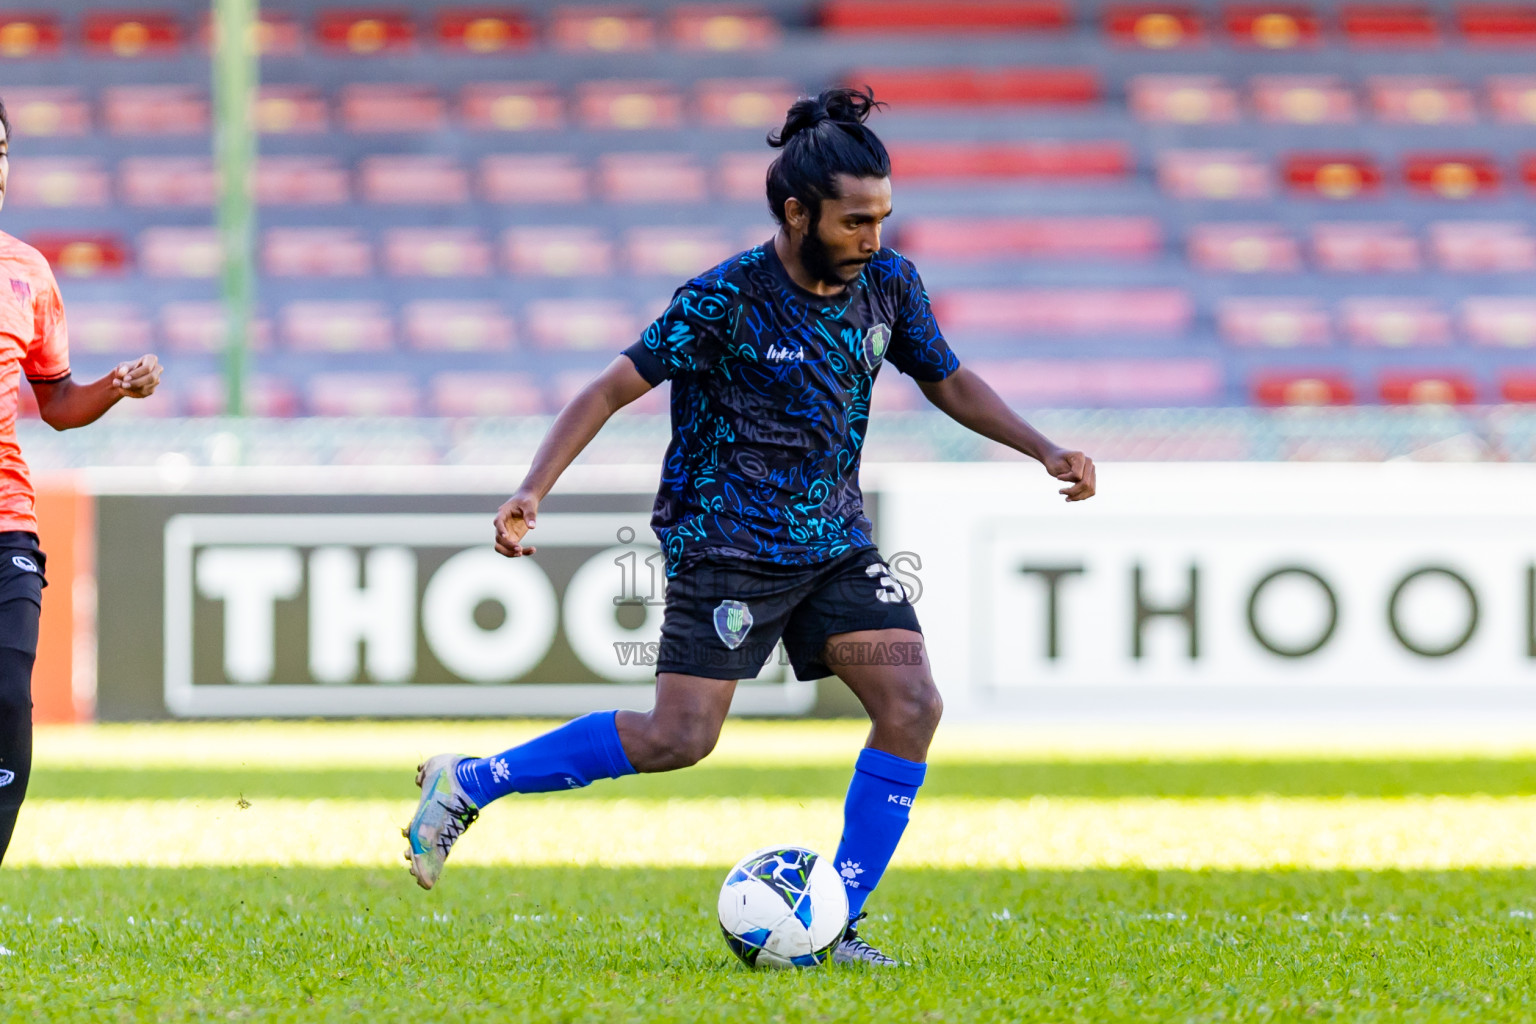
(122, 941)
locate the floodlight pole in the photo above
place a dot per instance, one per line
(236, 70)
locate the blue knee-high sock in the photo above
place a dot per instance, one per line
(570, 757)
(874, 817)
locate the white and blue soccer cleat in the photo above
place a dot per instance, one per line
(445, 812)
(854, 950)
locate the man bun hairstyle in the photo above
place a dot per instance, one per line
(823, 137)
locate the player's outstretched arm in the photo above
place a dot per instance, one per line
(971, 402)
(575, 427)
(64, 404)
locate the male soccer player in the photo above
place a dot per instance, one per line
(34, 342)
(771, 356)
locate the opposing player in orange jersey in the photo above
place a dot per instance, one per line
(34, 343)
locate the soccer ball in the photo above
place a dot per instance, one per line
(783, 906)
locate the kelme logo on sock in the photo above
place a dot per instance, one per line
(733, 621)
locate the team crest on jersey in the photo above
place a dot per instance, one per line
(875, 341)
(733, 620)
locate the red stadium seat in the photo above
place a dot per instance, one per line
(1303, 99)
(155, 110)
(1504, 321)
(181, 252)
(396, 109)
(512, 106)
(132, 33)
(316, 252)
(108, 328)
(743, 102)
(585, 324)
(1365, 247)
(1270, 322)
(60, 182)
(363, 394)
(291, 110)
(1528, 170)
(486, 394)
(1513, 98)
(1076, 161)
(934, 17)
(437, 326)
(1153, 26)
(744, 176)
(558, 252)
(1518, 386)
(1483, 246)
(202, 327)
(366, 32)
(1394, 322)
(265, 395)
(1497, 24)
(436, 252)
(633, 106)
(980, 87)
(1183, 99)
(722, 28)
(1299, 388)
(1452, 175)
(1389, 25)
(82, 254)
(1067, 312)
(337, 327)
(302, 180)
(1212, 174)
(533, 178)
(1333, 175)
(168, 181)
(601, 29)
(413, 180)
(1420, 387)
(975, 240)
(1273, 27)
(1145, 382)
(25, 34)
(650, 178)
(485, 30)
(48, 111)
(1244, 248)
(1421, 99)
(675, 252)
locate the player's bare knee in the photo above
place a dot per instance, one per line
(915, 710)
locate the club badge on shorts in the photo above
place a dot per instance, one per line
(876, 339)
(733, 621)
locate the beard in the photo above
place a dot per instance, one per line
(817, 260)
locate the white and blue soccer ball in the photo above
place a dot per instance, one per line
(783, 906)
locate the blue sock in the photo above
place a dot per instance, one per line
(874, 817)
(570, 757)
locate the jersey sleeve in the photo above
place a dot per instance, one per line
(47, 358)
(918, 348)
(685, 339)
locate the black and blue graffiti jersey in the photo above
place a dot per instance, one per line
(770, 399)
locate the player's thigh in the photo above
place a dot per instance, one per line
(887, 669)
(856, 594)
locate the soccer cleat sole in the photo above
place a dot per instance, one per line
(410, 856)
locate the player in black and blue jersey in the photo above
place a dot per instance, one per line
(772, 356)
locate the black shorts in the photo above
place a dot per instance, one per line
(21, 568)
(725, 616)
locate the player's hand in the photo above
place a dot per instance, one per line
(1076, 469)
(137, 379)
(513, 521)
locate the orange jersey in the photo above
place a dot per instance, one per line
(34, 343)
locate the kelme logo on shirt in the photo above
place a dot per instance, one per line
(733, 620)
(24, 563)
(875, 341)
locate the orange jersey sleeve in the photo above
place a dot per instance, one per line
(47, 358)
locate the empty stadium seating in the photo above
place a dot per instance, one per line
(465, 209)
